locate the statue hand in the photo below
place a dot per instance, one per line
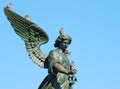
(71, 72)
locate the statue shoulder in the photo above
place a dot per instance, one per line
(53, 52)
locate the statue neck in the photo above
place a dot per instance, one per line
(60, 50)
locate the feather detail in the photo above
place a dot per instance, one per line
(31, 34)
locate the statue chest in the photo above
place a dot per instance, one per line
(64, 60)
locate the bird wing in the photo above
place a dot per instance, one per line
(31, 34)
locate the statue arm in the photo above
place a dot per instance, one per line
(59, 68)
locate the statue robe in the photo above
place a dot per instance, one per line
(56, 80)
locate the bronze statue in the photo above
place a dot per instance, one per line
(57, 61)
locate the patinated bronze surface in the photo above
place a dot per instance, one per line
(60, 71)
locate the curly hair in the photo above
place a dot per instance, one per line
(61, 38)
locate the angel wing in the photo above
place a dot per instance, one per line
(31, 34)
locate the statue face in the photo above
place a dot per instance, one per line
(64, 44)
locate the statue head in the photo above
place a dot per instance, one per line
(63, 40)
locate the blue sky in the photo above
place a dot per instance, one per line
(94, 26)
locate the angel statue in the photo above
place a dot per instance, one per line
(56, 61)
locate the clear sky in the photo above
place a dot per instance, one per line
(94, 26)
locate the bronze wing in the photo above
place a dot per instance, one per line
(31, 34)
